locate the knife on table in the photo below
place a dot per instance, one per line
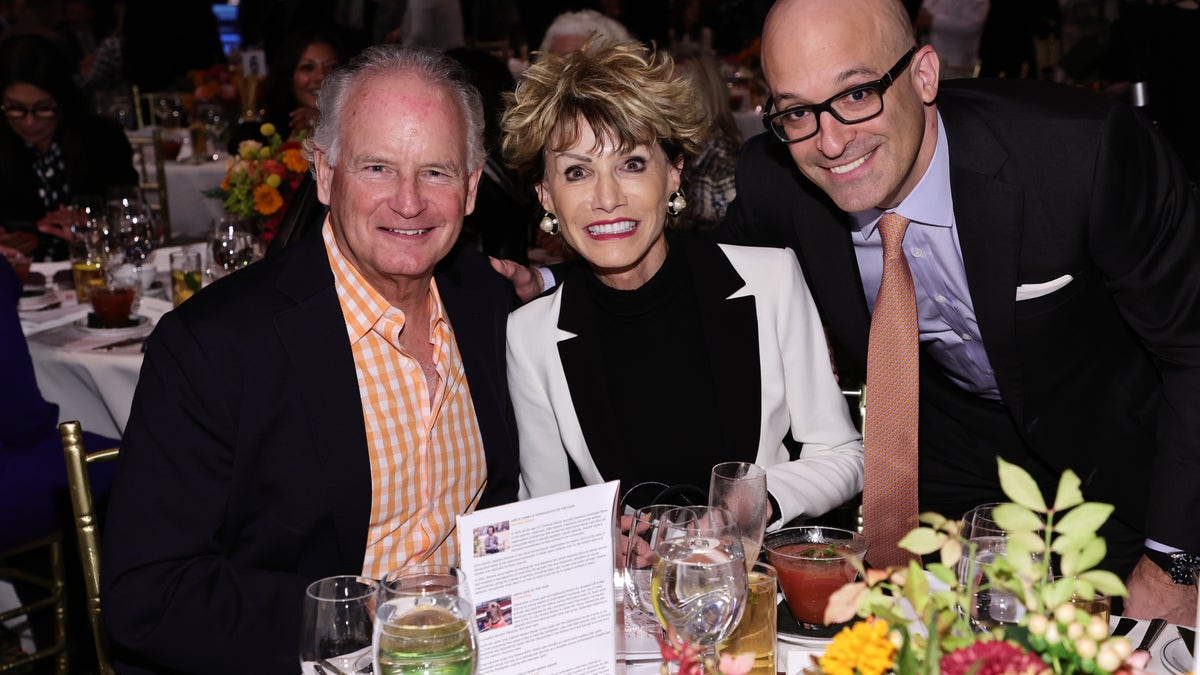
(122, 343)
(1189, 640)
(1152, 632)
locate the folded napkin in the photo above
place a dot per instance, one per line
(43, 320)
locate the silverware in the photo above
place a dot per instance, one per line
(1124, 625)
(1152, 632)
(1189, 639)
(329, 666)
(122, 343)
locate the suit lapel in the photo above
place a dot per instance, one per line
(729, 326)
(988, 213)
(313, 333)
(586, 378)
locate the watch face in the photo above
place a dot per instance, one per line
(1184, 567)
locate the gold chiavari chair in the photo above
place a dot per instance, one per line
(80, 483)
(151, 166)
(51, 581)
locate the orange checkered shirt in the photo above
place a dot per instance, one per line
(427, 461)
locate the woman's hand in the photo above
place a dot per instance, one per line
(58, 223)
(643, 555)
(21, 242)
(302, 119)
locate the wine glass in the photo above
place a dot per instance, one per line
(417, 633)
(232, 245)
(638, 562)
(741, 488)
(990, 607)
(423, 579)
(699, 582)
(336, 625)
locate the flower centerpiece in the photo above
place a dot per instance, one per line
(261, 180)
(211, 85)
(1053, 637)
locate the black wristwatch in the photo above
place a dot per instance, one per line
(1181, 566)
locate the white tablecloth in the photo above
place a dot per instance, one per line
(191, 212)
(94, 387)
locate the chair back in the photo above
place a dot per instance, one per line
(84, 508)
(151, 167)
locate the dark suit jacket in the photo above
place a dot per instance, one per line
(244, 473)
(1103, 375)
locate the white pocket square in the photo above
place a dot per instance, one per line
(1031, 291)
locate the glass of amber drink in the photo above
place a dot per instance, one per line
(756, 631)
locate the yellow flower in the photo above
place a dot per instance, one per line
(863, 648)
(267, 200)
(267, 130)
(294, 161)
(273, 180)
(249, 149)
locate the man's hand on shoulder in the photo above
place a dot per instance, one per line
(1153, 594)
(526, 280)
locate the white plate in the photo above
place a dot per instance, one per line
(1176, 657)
(142, 323)
(33, 303)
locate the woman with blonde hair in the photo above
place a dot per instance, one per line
(660, 353)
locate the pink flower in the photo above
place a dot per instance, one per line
(737, 665)
(993, 658)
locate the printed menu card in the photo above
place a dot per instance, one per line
(540, 574)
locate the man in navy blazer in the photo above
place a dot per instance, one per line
(247, 471)
(1053, 245)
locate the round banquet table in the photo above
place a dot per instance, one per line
(92, 386)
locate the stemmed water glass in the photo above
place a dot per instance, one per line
(232, 246)
(699, 579)
(638, 563)
(990, 607)
(741, 489)
(336, 625)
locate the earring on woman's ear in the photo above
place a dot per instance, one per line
(549, 224)
(676, 204)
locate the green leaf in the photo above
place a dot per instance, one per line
(1058, 592)
(932, 519)
(1019, 557)
(922, 541)
(951, 552)
(943, 573)
(1016, 518)
(1020, 487)
(1084, 588)
(1068, 494)
(1091, 555)
(1106, 582)
(1029, 540)
(1071, 541)
(1087, 517)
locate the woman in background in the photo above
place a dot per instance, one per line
(660, 353)
(52, 151)
(710, 185)
(304, 60)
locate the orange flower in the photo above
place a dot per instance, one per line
(294, 160)
(267, 200)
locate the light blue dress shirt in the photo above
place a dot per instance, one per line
(945, 314)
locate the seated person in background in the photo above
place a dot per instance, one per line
(710, 185)
(51, 149)
(570, 30)
(506, 209)
(330, 409)
(665, 353)
(299, 67)
(33, 478)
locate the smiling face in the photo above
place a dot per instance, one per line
(611, 205)
(35, 131)
(402, 185)
(814, 49)
(316, 61)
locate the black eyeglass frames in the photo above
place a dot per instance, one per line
(856, 104)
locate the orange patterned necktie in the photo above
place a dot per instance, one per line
(890, 456)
